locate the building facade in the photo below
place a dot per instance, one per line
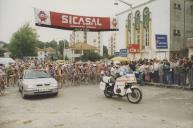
(181, 26)
(91, 38)
(189, 44)
(112, 44)
(159, 27)
(45, 53)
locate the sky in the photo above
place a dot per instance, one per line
(15, 13)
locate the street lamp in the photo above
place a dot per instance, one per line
(131, 7)
(116, 3)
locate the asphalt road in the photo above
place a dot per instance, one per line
(86, 107)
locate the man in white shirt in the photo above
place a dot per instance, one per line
(156, 68)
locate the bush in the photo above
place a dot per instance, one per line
(90, 56)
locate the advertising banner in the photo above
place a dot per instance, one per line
(161, 41)
(123, 52)
(134, 48)
(74, 22)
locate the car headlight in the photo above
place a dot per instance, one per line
(28, 86)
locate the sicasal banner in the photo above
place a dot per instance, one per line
(74, 22)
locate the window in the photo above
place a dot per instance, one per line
(138, 37)
(176, 32)
(146, 26)
(177, 6)
(146, 37)
(191, 7)
(137, 27)
(85, 36)
(78, 52)
(129, 28)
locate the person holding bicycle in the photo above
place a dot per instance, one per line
(9, 72)
(2, 81)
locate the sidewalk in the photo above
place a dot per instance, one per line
(175, 86)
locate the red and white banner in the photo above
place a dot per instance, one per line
(74, 22)
(133, 48)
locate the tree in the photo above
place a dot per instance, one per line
(2, 51)
(105, 51)
(61, 47)
(92, 56)
(66, 57)
(23, 42)
(3, 48)
(53, 44)
(66, 44)
(6, 46)
(40, 44)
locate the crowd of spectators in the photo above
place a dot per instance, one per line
(175, 71)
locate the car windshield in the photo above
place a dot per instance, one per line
(33, 74)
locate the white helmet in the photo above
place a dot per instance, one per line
(117, 64)
(121, 73)
(102, 72)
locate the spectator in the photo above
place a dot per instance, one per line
(161, 72)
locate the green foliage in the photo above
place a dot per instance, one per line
(105, 51)
(2, 51)
(23, 42)
(6, 46)
(66, 44)
(3, 48)
(61, 47)
(53, 44)
(92, 56)
(58, 46)
(61, 57)
(66, 58)
(40, 44)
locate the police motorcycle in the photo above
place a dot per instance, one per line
(124, 85)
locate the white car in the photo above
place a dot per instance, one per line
(37, 82)
(6, 61)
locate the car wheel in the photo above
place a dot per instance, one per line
(23, 95)
(19, 89)
(55, 94)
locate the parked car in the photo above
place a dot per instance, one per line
(6, 61)
(37, 82)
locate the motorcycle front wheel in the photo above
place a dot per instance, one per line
(135, 97)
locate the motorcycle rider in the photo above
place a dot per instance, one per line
(115, 73)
